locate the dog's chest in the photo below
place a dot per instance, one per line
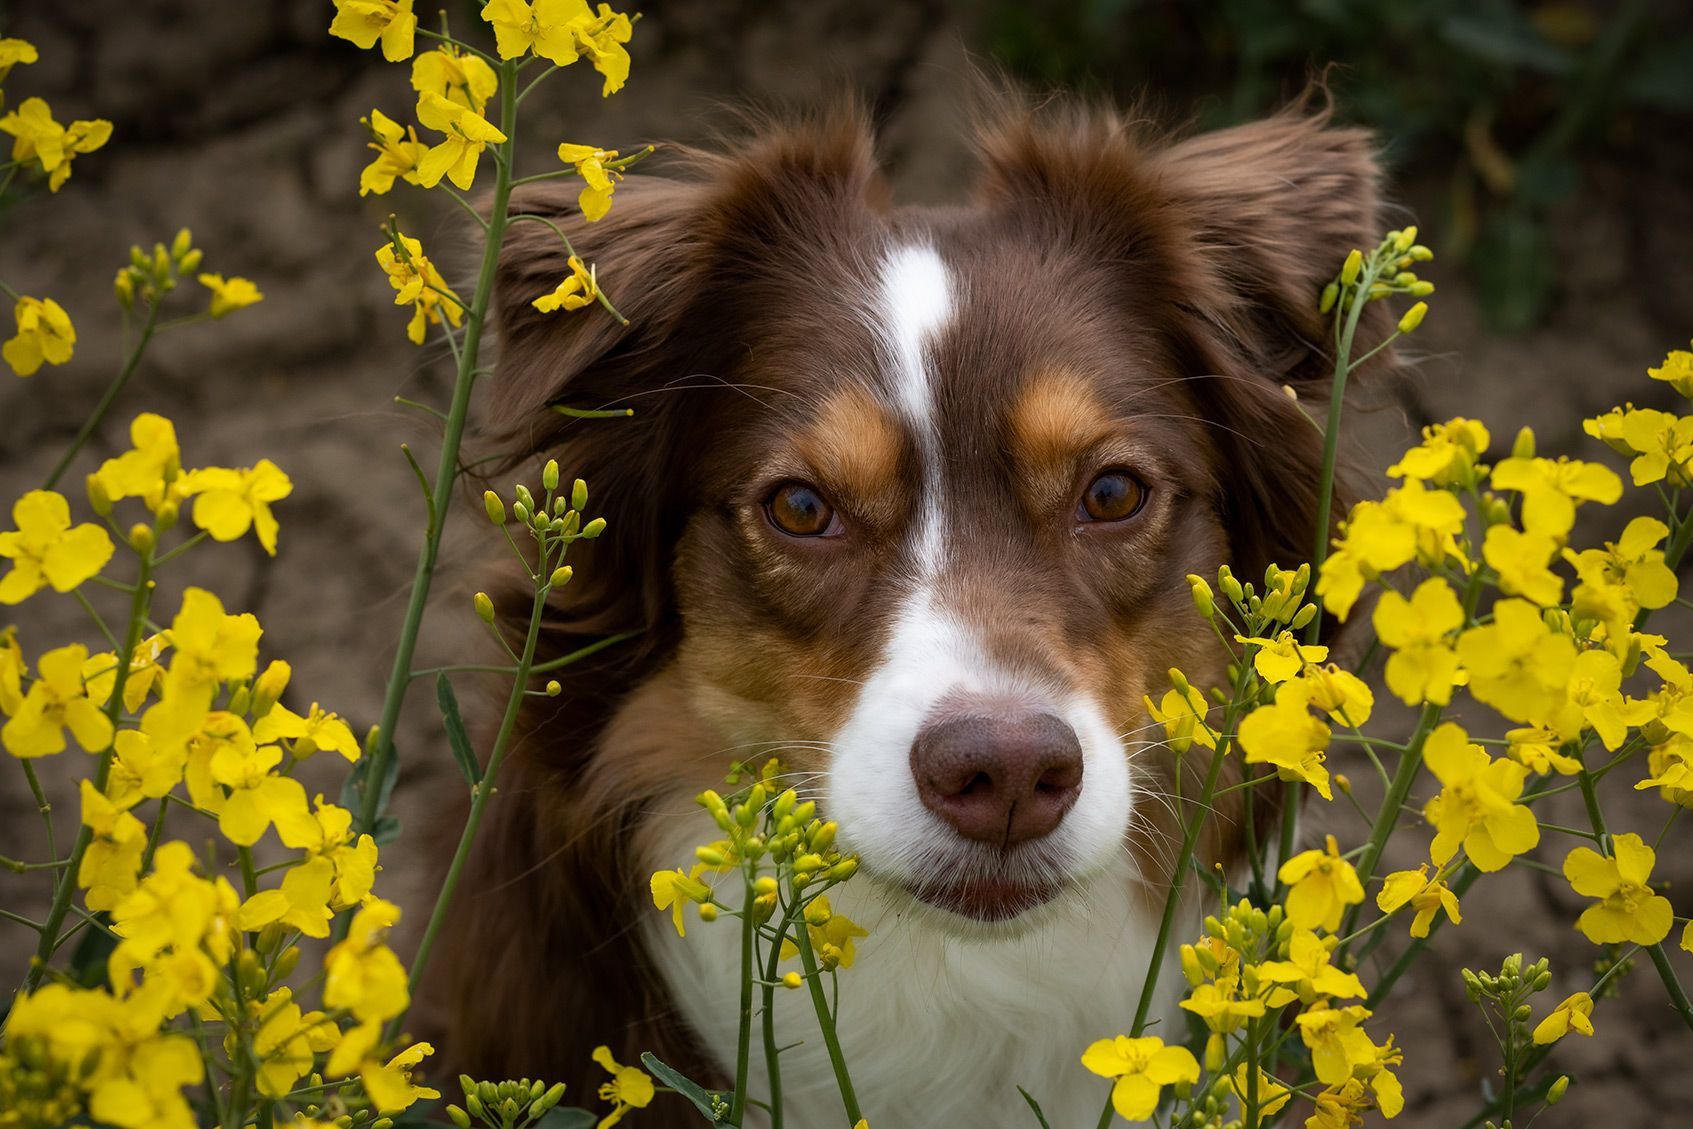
(938, 1030)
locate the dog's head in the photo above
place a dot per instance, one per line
(909, 495)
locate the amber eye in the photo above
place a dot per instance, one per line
(1113, 496)
(799, 510)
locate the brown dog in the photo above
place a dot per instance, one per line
(907, 500)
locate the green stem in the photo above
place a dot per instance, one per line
(114, 708)
(743, 1037)
(447, 471)
(41, 805)
(480, 796)
(772, 1053)
(826, 1022)
(111, 394)
(1404, 775)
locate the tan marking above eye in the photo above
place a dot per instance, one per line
(1055, 417)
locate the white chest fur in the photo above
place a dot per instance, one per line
(938, 1028)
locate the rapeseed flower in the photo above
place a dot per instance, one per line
(468, 134)
(1627, 909)
(229, 502)
(57, 701)
(1423, 666)
(46, 550)
(37, 137)
(231, 294)
(598, 181)
(1574, 1014)
(365, 22)
(1140, 1069)
(630, 1087)
(1476, 807)
(1428, 896)
(576, 291)
(1321, 885)
(45, 335)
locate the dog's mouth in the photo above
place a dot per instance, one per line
(986, 899)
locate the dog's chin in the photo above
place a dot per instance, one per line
(988, 901)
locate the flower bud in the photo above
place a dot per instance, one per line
(523, 495)
(484, 607)
(844, 869)
(549, 475)
(1203, 601)
(250, 973)
(141, 537)
(764, 885)
(1413, 317)
(458, 1117)
(792, 980)
(548, 1099)
(708, 912)
(124, 287)
(1331, 292)
(1523, 446)
(1349, 270)
(268, 687)
(1343, 782)
(554, 688)
(1421, 288)
(1406, 239)
(496, 508)
(578, 494)
(561, 576)
(520, 511)
(1216, 1053)
(1303, 616)
(1555, 1094)
(593, 529)
(1230, 586)
(98, 499)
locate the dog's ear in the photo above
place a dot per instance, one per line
(688, 261)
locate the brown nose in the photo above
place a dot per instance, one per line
(1001, 780)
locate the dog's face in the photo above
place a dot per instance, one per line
(918, 491)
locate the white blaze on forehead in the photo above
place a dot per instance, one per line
(916, 303)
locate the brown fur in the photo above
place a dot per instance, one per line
(1153, 298)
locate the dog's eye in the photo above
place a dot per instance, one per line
(800, 511)
(1114, 496)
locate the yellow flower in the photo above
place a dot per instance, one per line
(150, 468)
(629, 1088)
(100, 672)
(1428, 897)
(45, 334)
(1141, 1069)
(1337, 1041)
(211, 648)
(36, 136)
(1308, 970)
(1279, 659)
(390, 1086)
(256, 798)
(563, 31)
(1447, 456)
(56, 701)
(143, 768)
(468, 133)
(1623, 577)
(833, 935)
(1536, 749)
(577, 290)
(1676, 371)
(1182, 714)
(1423, 666)
(46, 549)
(362, 974)
(1272, 1094)
(319, 729)
(1221, 1006)
(1517, 664)
(456, 76)
(148, 1094)
(417, 282)
(1322, 885)
(1671, 770)
(1627, 909)
(1663, 443)
(301, 903)
(600, 39)
(1410, 523)
(398, 153)
(286, 1040)
(1551, 490)
(1521, 560)
(15, 51)
(327, 833)
(363, 22)
(112, 862)
(595, 198)
(1477, 804)
(1687, 937)
(1284, 734)
(1571, 1015)
(672, 889)
(1593, 698)
(229, 502)
(231, 294)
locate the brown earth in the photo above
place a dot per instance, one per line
(241, 122)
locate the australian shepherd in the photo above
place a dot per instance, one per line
(907, 499)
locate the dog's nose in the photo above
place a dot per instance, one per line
(998, 779)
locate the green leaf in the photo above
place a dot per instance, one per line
(456, 736)
(687, 1087)
(567, 1117)
(1034, 1105)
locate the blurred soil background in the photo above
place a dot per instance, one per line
(1542, 146)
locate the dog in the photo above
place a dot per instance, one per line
(907, 499)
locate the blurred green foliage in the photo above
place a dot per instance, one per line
(1509, 95)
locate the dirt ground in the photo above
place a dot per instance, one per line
(241, 121)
